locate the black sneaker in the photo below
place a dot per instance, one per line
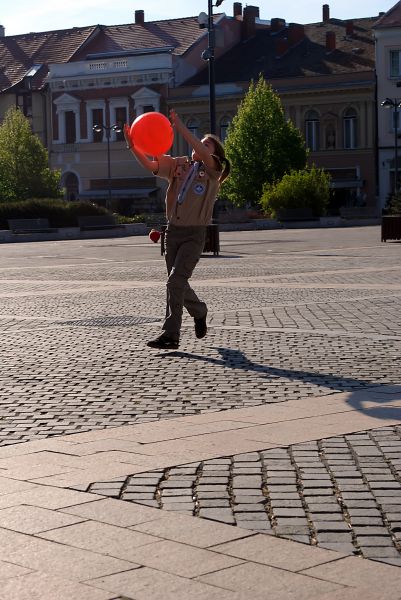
(163, 342)
(200, 327)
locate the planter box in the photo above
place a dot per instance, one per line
(391, 227)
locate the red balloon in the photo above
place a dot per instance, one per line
(152, 133)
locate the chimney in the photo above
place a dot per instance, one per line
(349, 27)
(330, 41)
(296, 33)
(277, 25)
(237, 9)
(249, 15)
(2, 31)
(282, 47)
(139, 17)
(326, 13)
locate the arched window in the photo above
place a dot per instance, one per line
(224, 124)
(71, 185)
(312, 130)
(350, 129)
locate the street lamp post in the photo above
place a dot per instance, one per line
(395, 105)
(98, 128)
(208, 55)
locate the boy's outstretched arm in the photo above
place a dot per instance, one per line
(192, 140)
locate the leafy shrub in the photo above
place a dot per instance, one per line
(307, 188)
(59, 213)
(393, 206)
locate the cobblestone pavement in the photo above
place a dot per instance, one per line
(292, 314)
(341, 493)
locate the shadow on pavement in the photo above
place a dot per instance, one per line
(358, 399)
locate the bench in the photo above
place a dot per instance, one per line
(30, 226)
(296, 214)
(97, 222)
(212, 241)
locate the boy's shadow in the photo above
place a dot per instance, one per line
(374, 404)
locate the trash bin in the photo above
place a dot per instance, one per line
(391, 227)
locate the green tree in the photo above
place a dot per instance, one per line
(261, 145)
(24, 162)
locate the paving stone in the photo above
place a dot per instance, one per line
(337, 537)
(319, 508)
(251, 516)
(260, 526)
(380, 552)
(289, 512)
(342, 547)
(374, 540)
(186, 507)
(215, 504)
(222, 515)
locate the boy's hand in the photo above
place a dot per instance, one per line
(175, 120)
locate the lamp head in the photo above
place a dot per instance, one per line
(387, 103)
(97, 128)
(218, 3)
(203, 20)
(117, 128)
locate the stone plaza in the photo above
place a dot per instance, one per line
(263, 461)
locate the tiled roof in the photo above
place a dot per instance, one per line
(177, 33)
(308, 57)
(392, 18)
(19, 53)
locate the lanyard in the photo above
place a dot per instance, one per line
(188, 181)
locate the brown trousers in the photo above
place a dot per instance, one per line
(184, 246)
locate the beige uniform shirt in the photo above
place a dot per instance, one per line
(195, 205)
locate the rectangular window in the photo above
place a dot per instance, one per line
(24, 102)
(312, 135)
(70, 128)
(97, 119)
(148, 108)
(120, 120)
(395, 63)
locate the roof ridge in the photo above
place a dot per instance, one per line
(48, 32)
